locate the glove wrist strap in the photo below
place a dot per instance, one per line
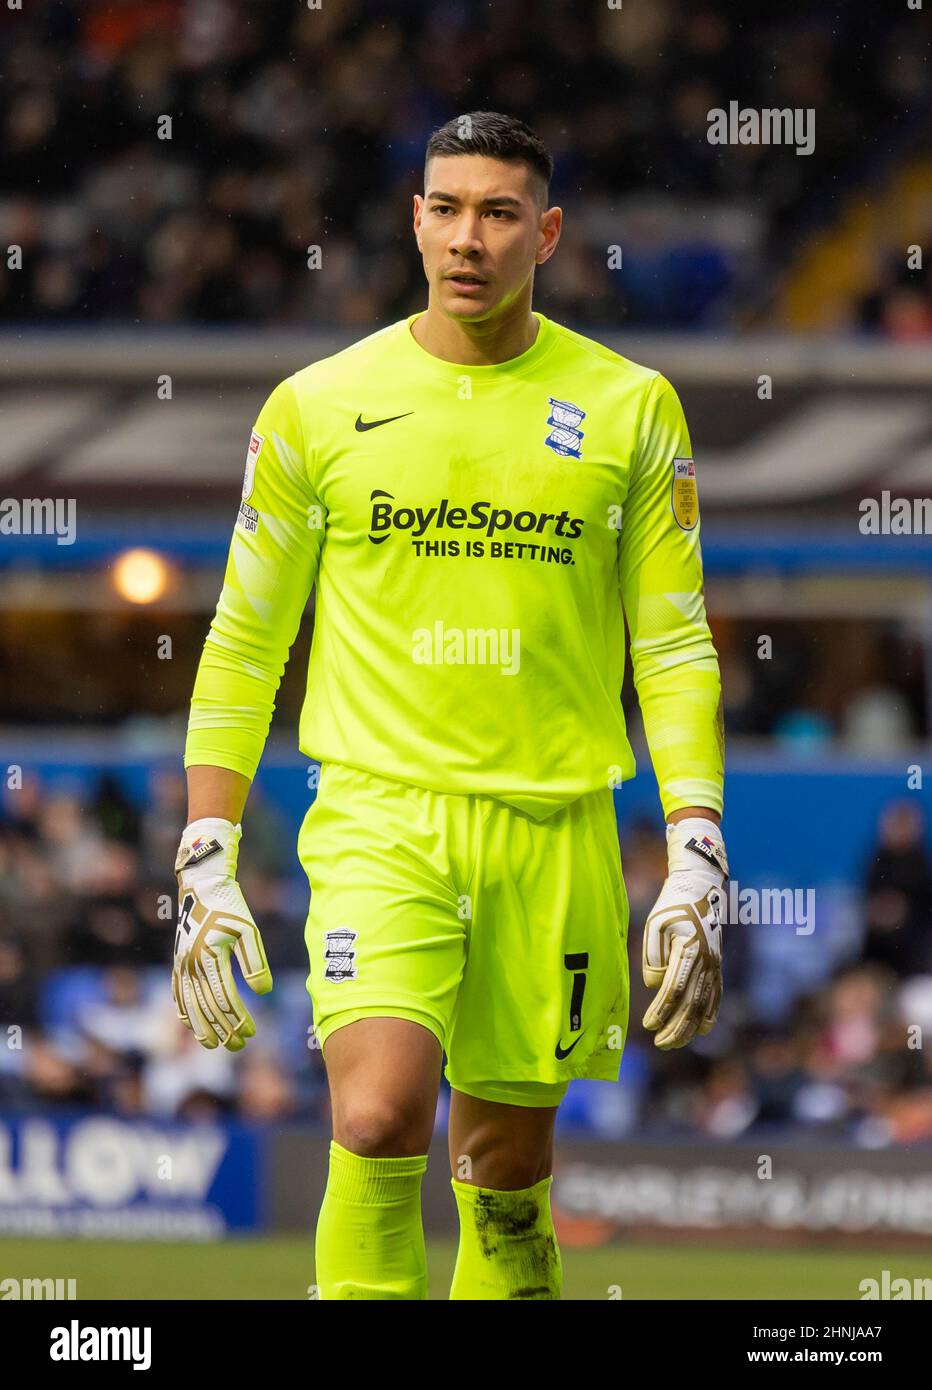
(210, 840)
(693, 841)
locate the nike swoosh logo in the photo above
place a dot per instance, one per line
(561, 1052)
(374, 424)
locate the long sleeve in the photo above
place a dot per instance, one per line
(271, 568)
(674, 663)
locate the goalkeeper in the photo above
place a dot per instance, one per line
(478, 494)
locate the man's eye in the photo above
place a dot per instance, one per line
(502, 213)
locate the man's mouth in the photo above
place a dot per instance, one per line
(465, 277)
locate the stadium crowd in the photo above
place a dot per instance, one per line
(87, 916)
(295, 127)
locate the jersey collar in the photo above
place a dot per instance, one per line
(454, 371)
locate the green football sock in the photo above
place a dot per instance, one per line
(507, 1245)
(370, 1240)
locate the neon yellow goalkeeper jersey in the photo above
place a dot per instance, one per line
(473, 532)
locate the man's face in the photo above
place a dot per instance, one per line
(481, 231)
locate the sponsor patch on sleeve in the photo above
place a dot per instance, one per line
(685, 496)
(248, 519)
(256, 442)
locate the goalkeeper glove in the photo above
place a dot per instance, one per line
(682, 946)
(213, 923)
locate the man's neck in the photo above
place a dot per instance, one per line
(476, 344)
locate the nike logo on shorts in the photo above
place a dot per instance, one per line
(561, 1052)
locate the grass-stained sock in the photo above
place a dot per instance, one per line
(507, 1245)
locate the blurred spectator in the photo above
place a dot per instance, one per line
(899, 304)
(125, 1022)
(180, 1071)
(777, 1076)
(18, 990)
(72, 841)
(265, 1090)
(899, 894)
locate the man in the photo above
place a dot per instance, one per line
(475, 491)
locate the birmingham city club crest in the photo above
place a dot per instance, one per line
(565, 437)
(339, 955)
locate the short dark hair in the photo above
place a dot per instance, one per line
(498, 137)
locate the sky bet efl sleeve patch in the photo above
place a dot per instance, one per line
(256, 442)
(685, 496)
(248, 518)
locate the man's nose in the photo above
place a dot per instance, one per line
(464, 237)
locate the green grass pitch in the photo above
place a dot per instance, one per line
(282, 1268)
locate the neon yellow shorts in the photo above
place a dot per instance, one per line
(505, 936)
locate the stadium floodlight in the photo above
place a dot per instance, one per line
(140, 576)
